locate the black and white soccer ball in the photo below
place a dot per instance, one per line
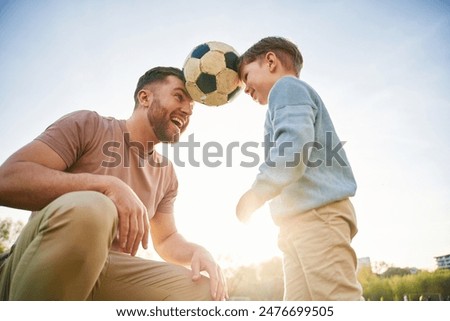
(211, 73)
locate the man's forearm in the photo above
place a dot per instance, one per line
(176, 249)
(31, 186)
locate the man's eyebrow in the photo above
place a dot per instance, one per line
(183, 90)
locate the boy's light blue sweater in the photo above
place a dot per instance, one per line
(300, 130)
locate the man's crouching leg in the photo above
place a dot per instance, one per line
(133, 278)
(62, 250)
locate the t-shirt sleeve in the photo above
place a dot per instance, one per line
(71, 135)
(167, 203)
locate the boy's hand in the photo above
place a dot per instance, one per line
(248, 203)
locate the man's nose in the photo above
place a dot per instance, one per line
(187, 108)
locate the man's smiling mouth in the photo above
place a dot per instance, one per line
(178, 122)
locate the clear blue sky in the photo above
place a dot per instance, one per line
(382, 68)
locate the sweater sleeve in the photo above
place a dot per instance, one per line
(292, 115)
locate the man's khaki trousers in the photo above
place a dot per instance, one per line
(63, 253)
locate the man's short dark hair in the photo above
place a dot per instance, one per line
(155, 75)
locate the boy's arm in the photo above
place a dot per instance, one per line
(286, 160)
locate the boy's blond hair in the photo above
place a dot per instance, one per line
(288, 53)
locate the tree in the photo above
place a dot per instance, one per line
(392, 271)
(261, 282)
(400, 286)
(9, 230)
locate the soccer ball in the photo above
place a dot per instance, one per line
(211, 73)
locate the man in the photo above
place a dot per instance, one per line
(97, 187)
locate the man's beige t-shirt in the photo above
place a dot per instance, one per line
(90, 143)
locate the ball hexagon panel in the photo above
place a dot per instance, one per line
(216, 99)
(227, 80)
(231, 60)
(206, 83)
(195, 92)
(212, 62)
(191, 69)
(220, 46)
(233, 94)
(199, 51)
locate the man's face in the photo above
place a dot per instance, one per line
(258, 80)
(170, 109)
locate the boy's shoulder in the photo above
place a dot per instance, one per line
(290, 90)
(291, 82)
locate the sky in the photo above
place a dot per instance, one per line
(381, 67)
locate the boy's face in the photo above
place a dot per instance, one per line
(258, 80)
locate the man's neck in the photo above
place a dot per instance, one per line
(141, 131)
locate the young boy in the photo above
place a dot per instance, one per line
(306, 176)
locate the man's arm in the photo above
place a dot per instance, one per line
(172, 247)
(34, 176)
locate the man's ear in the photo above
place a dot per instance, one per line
(145, 97)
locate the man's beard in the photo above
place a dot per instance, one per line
(161, 123)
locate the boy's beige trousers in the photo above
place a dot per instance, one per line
(318, 261)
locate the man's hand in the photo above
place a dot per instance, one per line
(203, 261)
(133, 218)
(248, 204)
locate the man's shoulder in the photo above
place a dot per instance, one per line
(81, 115)
(85, 117)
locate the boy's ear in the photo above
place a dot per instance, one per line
(271, 60)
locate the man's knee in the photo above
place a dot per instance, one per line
(199, 290)
(85, 213)
(90, 205)
(204, 292)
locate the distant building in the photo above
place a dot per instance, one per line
(443, 261)
(413, 270)
(364, 262)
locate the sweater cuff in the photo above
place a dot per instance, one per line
(264, 190)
